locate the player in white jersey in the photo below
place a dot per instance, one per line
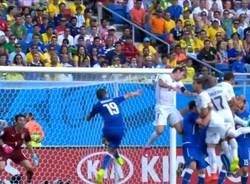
(165, 109)
(220, 99)
(227, 85)
(210, 118)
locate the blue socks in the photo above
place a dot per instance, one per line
(201, 179)
(106, 161)
(222, 176)
(187, 176)
(244, 179)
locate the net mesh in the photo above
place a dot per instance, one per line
(71, 150)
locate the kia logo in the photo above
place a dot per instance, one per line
(88, 166)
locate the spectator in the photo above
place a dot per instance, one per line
(129, 49)
(235, 42)
(96, 44)
(19, 29)
(35, 130)
(10, 46)
(190, 71)
(187, 42)
(171, 61)
(126, 34)
(111, 34)
(29, 55)
(208, 54)
(137, 13)
(66, 35)
(222, 52)
(116, 52)
(180, 55)
(175, 10)
(18, 50)
(186, 17)
(169, 23)
(74, 30)
(202, 7)
(29, 28)
(227, 24)
(59, 18)
(80, 57)
(199, 40)
(158, 25)
(100, 61)
(116, 62)
(76, 4)
(238, 65)
(18, 60)
(47, 36)
(246, 42)
(80, 19)
(61, 27)
(215, 28)
(177, 32)
(82, 33)
(146, 43)
(53, 8)
(103, 31)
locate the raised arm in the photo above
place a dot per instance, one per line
(133, 94)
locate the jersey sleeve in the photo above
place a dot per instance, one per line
(94, 111)
(119, 100)
(230, 92)
(165, 78)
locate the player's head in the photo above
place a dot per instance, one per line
(192, 105)
(229, 77)
(20, 120)
(179, 73)
(30, 116)
(241, 103)
(211, 81)
(101, 93)
(200, 83)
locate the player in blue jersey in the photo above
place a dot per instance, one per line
(113, 128)
(194, 146)
(243, 142)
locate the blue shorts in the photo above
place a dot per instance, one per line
(113, 138)
(193, 153)
(243, 153)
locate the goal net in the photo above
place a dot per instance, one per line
(72, 151)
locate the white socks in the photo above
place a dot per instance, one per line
(212, 159)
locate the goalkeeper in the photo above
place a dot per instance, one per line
(11, 140)
(113, 128)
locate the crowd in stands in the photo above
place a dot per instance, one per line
(63, 33)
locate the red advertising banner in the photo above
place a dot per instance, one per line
(80, 165)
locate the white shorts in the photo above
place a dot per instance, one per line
(164, 115)
(215, 134)
(216, 129)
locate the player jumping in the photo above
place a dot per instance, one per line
(165, 109)
(11, 141)
(113, 129)
(215, 123)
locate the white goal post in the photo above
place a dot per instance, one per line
(126, 71)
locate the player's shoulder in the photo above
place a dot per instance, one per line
(164, 77)
(9, 128)
(204, 94)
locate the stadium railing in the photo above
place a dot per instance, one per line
(100, 8)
